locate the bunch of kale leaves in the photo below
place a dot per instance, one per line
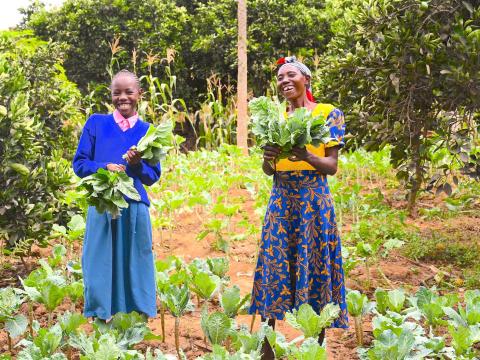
(155, 144)
(106, 190)
(272, 126)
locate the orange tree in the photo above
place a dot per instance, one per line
(38, 113)
(408, 74)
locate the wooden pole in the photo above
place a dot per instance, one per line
(242, 115)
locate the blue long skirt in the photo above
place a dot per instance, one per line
(117, 261)
(300, 259)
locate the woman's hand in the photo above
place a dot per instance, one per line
(133, 157)
(271, 152)
(299, 154)
(115, 167)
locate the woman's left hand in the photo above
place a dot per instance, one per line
(133, 157)
(299, 154)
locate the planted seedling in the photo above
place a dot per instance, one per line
(309, 350)
(44, 345)
(178, 303)
(392, 300)
(431, 305)
(309, 322)
(231, 301)
(216, 326)
(205, 286)
(219, 266)
(357, 306)
(70, 323)
(390, 345)
(15, 325)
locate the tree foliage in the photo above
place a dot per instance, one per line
(202, 33)
(409, 72)
(38, 112)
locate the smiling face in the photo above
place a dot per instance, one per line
(125, 94)
(291, 83)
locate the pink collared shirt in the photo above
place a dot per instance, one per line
(125, 124)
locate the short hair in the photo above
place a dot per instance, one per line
(127, 73)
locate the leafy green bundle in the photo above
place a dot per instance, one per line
(156, 143)
(271, 126)
(105, 190)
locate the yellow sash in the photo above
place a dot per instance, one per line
(287, 165)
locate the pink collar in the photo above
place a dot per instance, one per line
(125, 124)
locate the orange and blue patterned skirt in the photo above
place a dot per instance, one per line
(300, 259)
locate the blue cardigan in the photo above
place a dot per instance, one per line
(103, 142)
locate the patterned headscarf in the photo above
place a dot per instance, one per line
(292, 60)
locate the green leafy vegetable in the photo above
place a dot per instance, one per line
(231, 301)
(309, 350)
(106, 191)
(156, 143)
(216, 326)
(389, 345)
(218, 266)
(204, 285)
(16, 326)
(310, 322)
(357, 306)
(271, 126)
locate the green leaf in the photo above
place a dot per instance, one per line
(356, 303)
(231, 301)
(177, 300)
(461, 339)
(20, 168)
(381, 297)
(276, 340)
(125, 186)
(76, 223)
(48, 340)
(16, 326)
(309, 350)
(216, 326)
(10, 301)
(105, 191)
(205, 285)
(309, 322)
(51, 295)
(71, 322)
(3, 111)
(59, 251)
(396, 299)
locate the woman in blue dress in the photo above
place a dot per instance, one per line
(117, 259)
(300, 258)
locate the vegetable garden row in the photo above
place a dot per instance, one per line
(406, 322)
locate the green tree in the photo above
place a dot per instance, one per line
(203, 34)
(38, 114)
(90, 27)
(275, 28)
(408, 73)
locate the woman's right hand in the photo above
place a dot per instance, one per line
(115, 167)
(271, 152)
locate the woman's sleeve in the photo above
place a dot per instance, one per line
(83, 163)
(336, 123)
(147, 173)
